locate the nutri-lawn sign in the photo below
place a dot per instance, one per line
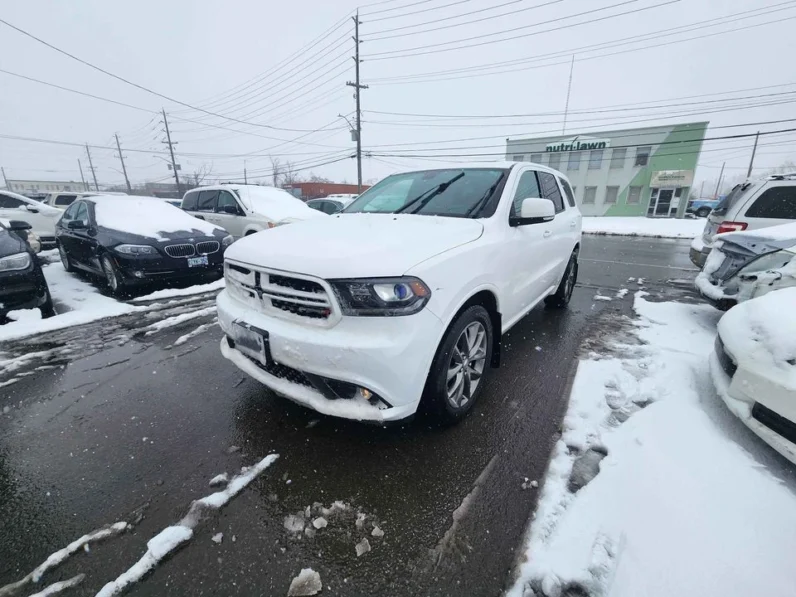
(578, 144)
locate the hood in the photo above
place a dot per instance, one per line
(355, 245)
(276, 205)
(149, 217)
(10, 243)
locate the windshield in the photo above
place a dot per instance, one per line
(458, 192)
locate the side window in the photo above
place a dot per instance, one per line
(64, 200)
(568, 191)
(82, 212)
(70, 213)
(527, 188)
(331, 207)
(10, 202)
(207, 201)
(189, 201)
(550, 190)
(555, 161)
(777, 202)
(225, 198)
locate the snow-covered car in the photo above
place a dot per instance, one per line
(134, 240)
(22, 283)
(405, 294)
(745, 265)
(751, 205)
(41, 217)
(331, 204)
(754, 367)
(245, 209)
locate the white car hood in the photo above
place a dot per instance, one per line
(355, 245)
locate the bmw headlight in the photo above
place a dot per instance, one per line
(16, 262)
(227, 240)
(136, 250)
(381, 297)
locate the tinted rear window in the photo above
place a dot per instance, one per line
(63, 200)
(777, 202)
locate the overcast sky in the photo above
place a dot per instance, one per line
(229, 58)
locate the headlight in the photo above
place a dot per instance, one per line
(15, 262)
(380, 297)
(136, 250)
(227, 240)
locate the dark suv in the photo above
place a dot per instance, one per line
(22, 283)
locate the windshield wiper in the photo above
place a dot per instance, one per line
(477, 207)
(429, 195)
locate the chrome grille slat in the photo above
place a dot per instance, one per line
(284, 291)
(207, 247)
(180, 250)
(296, 301)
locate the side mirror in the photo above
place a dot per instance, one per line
(31, 209)
(18, 226)
(231, 210)
(534, 211)
(76, 225)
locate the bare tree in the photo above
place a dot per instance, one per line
(199, 175)
(784, 168)
(289, 174)
(276, 170)
(312, 177)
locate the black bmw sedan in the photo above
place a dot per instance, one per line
(22, 283)
(136, 240)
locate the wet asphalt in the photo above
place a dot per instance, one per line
(106, 423)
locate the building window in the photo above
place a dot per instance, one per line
(611, 194)
(589, 195)
(643, 155)
(595, 159)
(634, 195)
(555, 161)
(573, 162)
(536, 158)
(618, 156)
(518, 158)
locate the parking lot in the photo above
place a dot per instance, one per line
(121, 420)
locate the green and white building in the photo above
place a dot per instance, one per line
(630, 172)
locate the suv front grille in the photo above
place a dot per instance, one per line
(207, 247)
(280, 293)
(183, 250)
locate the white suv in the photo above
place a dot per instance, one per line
(245, 209)
(41, 217)
(403, 295)
(751, 205)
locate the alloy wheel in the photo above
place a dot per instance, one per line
(569, 285)
(110, 274)
(467, 363)
(64, 257)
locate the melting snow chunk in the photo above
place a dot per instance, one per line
(377, 532)
(362, 547)
(217, 538)
(319, 523)
(293, 523)
(221, 479)
(308, 582)
(600, 297)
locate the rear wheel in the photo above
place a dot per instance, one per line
(112, 276)
(703, 212)
(562, 295)
(65, 258)
(457, 373)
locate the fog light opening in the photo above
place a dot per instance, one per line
(138, 274)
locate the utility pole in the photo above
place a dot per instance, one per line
(245, 178)
(4, 178)
(91, 167)
(358, 87)
(701, 187)
(718, 184)
(171, 151)
(121, 159)
(754, 151)
(82, 178)
(569, 89)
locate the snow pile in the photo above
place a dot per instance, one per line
(702, 282)
(175, 292)
(676, 507)
(641, 226)
(57, 587)
(172, 537)
(276, 204)
(761, 334)
(147, 216)
(178, 319)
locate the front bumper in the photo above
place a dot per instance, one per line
(148, 270)
(389, 356)
(22, 290)
(755, 416)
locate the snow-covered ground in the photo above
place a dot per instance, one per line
(635, 226)
(686, 501)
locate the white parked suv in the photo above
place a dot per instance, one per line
(403, 297)
(245, 209)
(41, 217)
(754, 204)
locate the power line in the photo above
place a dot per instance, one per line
(438, 47)
(375, 12)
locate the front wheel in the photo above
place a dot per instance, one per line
(703, 212)
(65, 258)
(112, 275)
(457, 373)
(563, 293)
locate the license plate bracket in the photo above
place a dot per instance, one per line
(200, 261)
(251, 341)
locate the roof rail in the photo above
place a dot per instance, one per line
(783, 176)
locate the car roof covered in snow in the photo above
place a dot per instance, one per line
(145, 216)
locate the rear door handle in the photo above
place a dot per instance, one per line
(547, 233)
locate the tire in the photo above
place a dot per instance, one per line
(65, 261)
(563, 293)
(250, 232)
(703, 212)
(448, 398)
(112, 277)
(47, 309)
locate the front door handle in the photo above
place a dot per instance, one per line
(547, 233)
(573, 224)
